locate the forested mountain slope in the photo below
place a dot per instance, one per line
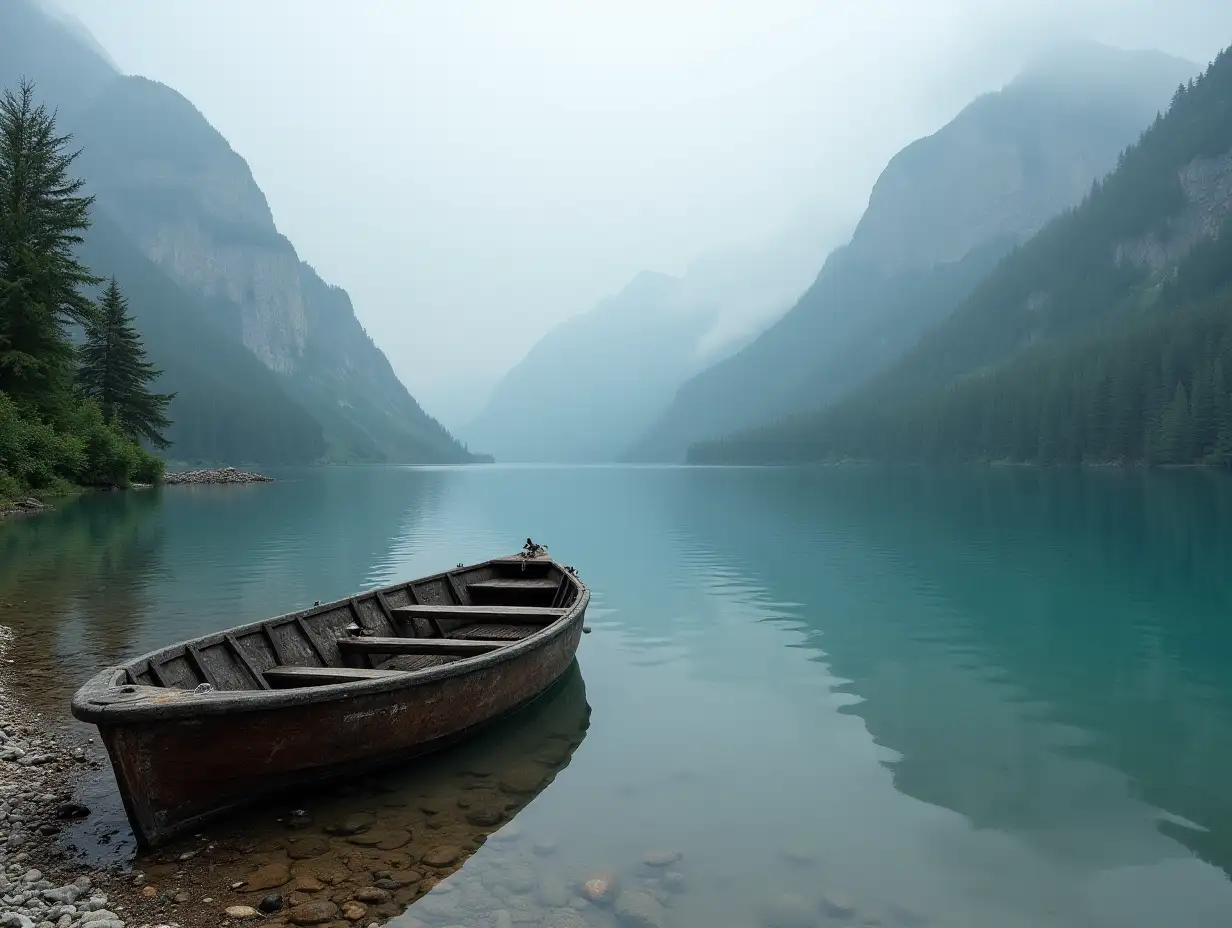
(1106, 337)
(946, 209)
(172, 187)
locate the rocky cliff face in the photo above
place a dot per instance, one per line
(190, 203)
(1206, 184)
(197, 214)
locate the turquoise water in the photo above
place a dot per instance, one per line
(970, 698)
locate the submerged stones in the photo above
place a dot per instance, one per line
(553, 892)
(788, 910)
(544, 847)
(600, 888)
(526, 778)
(352, 825)
(354, 911)
(837, 905)
(564, 918)
(313, 913)
(661, 858)
(270, 876)
(674, 881)
(307, 847)
(442, 856)
(640, 909)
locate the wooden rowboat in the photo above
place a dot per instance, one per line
(209, 725)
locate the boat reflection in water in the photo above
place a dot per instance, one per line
(381, 841)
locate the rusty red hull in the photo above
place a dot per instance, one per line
(174, 775)
(183, 756)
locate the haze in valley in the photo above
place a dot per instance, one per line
(474, 174)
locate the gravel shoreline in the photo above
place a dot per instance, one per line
(40, 767)
(29, 506)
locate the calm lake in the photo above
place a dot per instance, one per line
(842, 696)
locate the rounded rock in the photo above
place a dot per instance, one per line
(313, 913)
(640, 909)
(442, 856)
(525, 778)
(307, 847)
(673, 881)
(271, 876)
(352, 825)
(661, 858)
(354, 911)
(241, 911)
(599, 888)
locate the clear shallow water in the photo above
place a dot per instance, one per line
(982, 697)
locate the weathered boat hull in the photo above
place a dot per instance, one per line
(184, 754)
(175, 775)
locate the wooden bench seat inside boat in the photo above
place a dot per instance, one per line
(492, 632)
(285, 677)
(374, 645)
(513, 585)
(504, 615)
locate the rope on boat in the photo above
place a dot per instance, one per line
(530, 551)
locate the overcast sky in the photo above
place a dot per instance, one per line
(472, 172)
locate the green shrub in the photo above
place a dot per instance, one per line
(149, 469)
(33, 454)
(109, 459)
(81, 449)
(10, 489)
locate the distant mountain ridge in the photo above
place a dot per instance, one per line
(1105, 338)
(943, 213)
(172, 185)
(612, 370)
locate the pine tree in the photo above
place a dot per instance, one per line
(42, 216)
(1202, 401)
(1177, 429)
(115, 373)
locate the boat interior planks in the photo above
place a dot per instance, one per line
(320, 692)
(399, 620)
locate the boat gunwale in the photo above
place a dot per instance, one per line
(152, 704)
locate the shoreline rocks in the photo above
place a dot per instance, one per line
(27, 506)
(38, 770)
(214, 476)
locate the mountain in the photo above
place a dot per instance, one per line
(172, 187)
(943, 213)
(613, 369)
(1105, 338)
(228, 405)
